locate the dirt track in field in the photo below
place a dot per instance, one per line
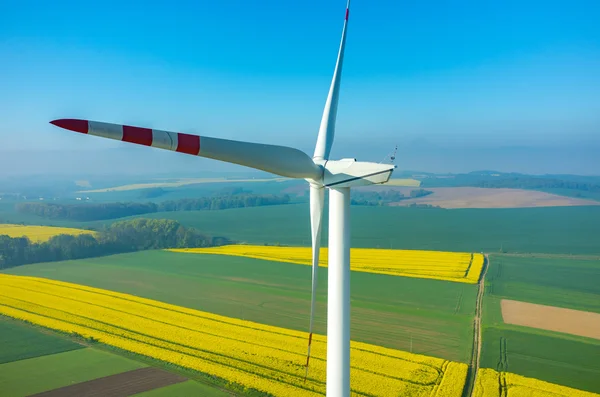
(119, 385)
(476, 351)
(475, 197)
(568, 321)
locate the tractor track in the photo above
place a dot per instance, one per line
(476, 351)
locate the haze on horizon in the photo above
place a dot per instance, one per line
(512, 86)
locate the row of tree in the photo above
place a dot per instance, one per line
(380, 198)
(525, 182)
(100, 211)
(125, 236)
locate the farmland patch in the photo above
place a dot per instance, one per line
(476, 197)
(119, 385)
(262, 357)
(569, 321)
(424, 316)
(490, 383)
(39, 233)
(185, 389)
(20, 341)
(566, 230)
(450, 266)
(58, 370)
(551, 356)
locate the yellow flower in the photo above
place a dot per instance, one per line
(257, 356)
(451, 266)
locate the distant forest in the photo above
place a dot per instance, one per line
(384, 197)
(102, 211)
(491, 179)
(125, 236)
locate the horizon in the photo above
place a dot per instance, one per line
(526, 85)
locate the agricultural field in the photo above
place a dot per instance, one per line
(425, 316)
(59, 370)
(450, 266)
(552, 318)
(491, 383)
(185, 389)
(38, 233)
(179, 183)
(20, 342)
(552, 230)
(260, 357)
(551, 356)
(571, 282)
(479, 197)
(26, 347)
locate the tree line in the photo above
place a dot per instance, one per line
(537, 183)
(101, 211)
(381, 198)
(125, 236)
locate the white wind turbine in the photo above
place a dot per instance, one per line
(320, 172)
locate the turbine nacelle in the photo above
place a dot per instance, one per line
(349, 173)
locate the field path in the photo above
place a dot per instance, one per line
(119, 385)
(474, 365)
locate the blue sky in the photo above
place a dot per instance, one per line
(495, 73)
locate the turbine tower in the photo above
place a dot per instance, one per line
(319, 171)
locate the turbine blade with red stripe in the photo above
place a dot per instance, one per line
(279, 160)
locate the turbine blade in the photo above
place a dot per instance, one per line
(279, 160)
(327, 128)
(317, 201)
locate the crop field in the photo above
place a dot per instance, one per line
(20, 342)
(425, 316)
(564, 281)
(491, 383)
(38, 233)
(450, 266)
(40, 374)
(556, 230)
(261, 357)
(403, 182)
(185, 389)
(556, 357)
(179, 183)
(569, 321)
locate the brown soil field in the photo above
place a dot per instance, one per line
(475, 197)
(568, 321)
(119, 385)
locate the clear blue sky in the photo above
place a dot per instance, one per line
(498, 72)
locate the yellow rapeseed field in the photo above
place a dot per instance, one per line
(258, 356)
(490, 383)
(39, 233)
(452, 266)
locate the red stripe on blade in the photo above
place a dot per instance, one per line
(189, 144)
(141, 136)
(76, 125)
(347, 12)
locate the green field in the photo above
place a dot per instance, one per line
(556, 230)
(572, 283)
(550, 230)
(551, 356)
(21, 341)
(431, 316)
(49, 372)
(185, 389)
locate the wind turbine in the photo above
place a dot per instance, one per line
(319, 171)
